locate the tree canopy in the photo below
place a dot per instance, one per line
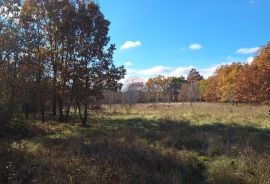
(55, 54)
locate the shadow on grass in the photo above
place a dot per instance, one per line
(17, 130)
(133, 150)
(213, 139)
(71, 160)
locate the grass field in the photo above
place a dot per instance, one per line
(166, 143)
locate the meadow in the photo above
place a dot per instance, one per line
(153, 143)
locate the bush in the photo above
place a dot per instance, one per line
(225, 170)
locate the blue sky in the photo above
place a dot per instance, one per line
(170, 37)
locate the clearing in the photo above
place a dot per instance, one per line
(164, 143)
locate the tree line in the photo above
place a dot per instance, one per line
(55, 56)
(240, 83)
(158, 89)
(231, 83)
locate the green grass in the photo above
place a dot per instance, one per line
(172, 143)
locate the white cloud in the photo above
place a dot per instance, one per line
(168, 71)
(207, 72)
(129, 80)
(129, 63)
(195, 46)
(131, 71)
(180, 71)
(133, 79)
(157, 70)
(184, 71)
(249, 60)
(130, 44)
(134, 75)
(248, 50)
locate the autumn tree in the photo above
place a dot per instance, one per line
(60, 25)
(55, 54)
(262, 62)
(237, 82)
(222, 86)
(253, 84)
(211, 93)
(33, 18)
(98, 73)
(227, 81)
(10, 56)
(158, 86)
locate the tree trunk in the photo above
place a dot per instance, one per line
(26, 110)
(79, 109)
(70, 102)
(54, 105)
(60, 106)
(68, 111)
(42, 114)
(84, 122)
(54, 100)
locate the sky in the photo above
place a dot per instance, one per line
(155, 37)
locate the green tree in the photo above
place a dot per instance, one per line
(203, 87)
(175, 84)
(194, 76)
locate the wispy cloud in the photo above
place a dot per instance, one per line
(157, 70)
(180, 71)
(168, 71)
(143, 75)
(184, 71)
(209, 71)
(129, 63)
(195, 46)
(248, 50)
(231, 59)
(130, 44)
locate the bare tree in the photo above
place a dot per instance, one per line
(132, 95)
(190, 93)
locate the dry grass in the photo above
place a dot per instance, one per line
(167, 143)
